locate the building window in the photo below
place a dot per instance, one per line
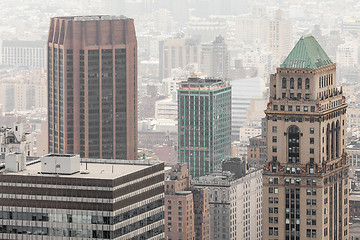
(307, 83)
(306, 108)
(291, 83)
(274, 149)
(293, 144)
(282, 107)
(275, 107)
(307, 96)
(299, 83)
(290, 108)
(284, 83)
(274, 129)
(298, 108)
(311, 140)
(274, 139)
(312, 131)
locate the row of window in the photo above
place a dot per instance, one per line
(274, 130)
(292, 83)
(290, 108)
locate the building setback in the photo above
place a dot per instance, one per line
(60, 196)
(306, 176)
(92, 86)
(204, 124)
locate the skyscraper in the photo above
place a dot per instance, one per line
(204, 124)
(92, 86)
(306, 181)
(214, 60)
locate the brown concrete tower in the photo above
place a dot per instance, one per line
(92, 86)
(306, 181)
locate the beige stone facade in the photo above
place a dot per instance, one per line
(306, 186)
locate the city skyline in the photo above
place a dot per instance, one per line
(189, 119)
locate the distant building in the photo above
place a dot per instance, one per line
(24, 91)
(63, 196)
(347, 54)
(251, 28)
(243, 91)
(256, 151)
(187, 213)
(157, 132)
(21, 53)
(215, 59)
(354, 207)
(206, 30)
(17, 139)
(279, 36)
(204, 124)
(167, 108)
(235, 205)
(92, 86)
(177, 53)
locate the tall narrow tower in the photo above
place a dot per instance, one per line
(306, 181)
(92, 86)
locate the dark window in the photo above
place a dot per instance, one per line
(299, 83)
(284, 83)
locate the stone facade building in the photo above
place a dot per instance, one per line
(306, 176)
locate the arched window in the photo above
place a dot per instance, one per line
(284, 83)
(293, 144)
(292, 83)
(299, 83)
(328, 142)
(333, 140)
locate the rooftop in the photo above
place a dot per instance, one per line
(93, 17)
(307, 53)
(92, 168)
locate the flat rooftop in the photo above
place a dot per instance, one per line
(108, 170)
(93, 17)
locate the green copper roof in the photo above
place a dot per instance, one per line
(307, 53)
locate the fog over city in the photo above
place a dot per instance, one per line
(250, 110)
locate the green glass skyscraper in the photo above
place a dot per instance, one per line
(204, 124)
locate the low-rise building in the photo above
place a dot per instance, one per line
(16, 140)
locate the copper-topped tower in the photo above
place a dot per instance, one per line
(306, 181)
(92, 86)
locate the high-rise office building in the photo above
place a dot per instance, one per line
(92, 86)
(306, 181)
(204, 124)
